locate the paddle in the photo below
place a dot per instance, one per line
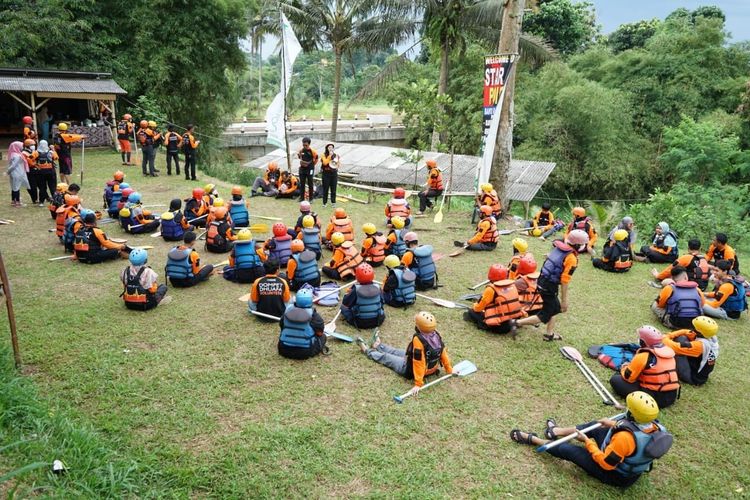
(130, 228)
(331, 325)
(511, 231)
(479, 284)
(461, 250)
(572, 354)
(118, 240)
(439, 215)
(462, 369)
(64, 257)
(352, 198)
(569, 437)
(333, 334)
(7, 221)
(442, 302)
(331, 292)
(264, 217)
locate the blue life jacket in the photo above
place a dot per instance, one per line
(108, 192)
(424, 267)
(405, 292)
(238, 212)
(553, 266)
(648, 446)
(245, 256)
(297, 331)
(737, 302)
(398, 248)
(307, 267)
(615, 355)
(282, 249)
(685, 301)
(369, 302)
(128, 221)
(68, 235)
(178, 263)
(113, 201)
(172, 229)
(311, 238)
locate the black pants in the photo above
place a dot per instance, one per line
(582, 458)
(656, 257)
(331, 273)
(188, 282)
(47, 184)
(102, 255)
(15, 195)
(478, 319)
(428, 193)
(190, 165)
(318, 344)
(147, 160)
(295, 285)
(173, 155)
(306, 176)
(482, 247)
(243, 275)
(605, 266)
(34, 180)
(623, 388)
(152, 300)
(330, 182)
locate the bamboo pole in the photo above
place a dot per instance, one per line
(11, 314)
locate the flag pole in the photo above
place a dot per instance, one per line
(284, 90)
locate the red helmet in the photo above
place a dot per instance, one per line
(279, 229)
(399, 192)
(27, 120)
(497, 272)
(118, 176)
(527, 265)
(143, 124)
(431, 163)
(649, 335)
(127, 192)
(198, 193)
(364, 274)
(486, 210)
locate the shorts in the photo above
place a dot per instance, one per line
(550, 307)
(66, 165)
(124, 145)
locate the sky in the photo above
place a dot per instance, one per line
(612, 13)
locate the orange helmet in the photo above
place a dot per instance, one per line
(72, 200)
(273, 166)
(297, 246)
(220, 212)
(237, 190)
(127, 116)
(425, 322)
(339, 213)
(118, 176)
(486, 210)
(279, 229)
(579, 211)
(431, 163)
(399, 192)
(143, 124)
(364, 274)
(198, 193)
(527, 265)
(497, 272)
(29, 142)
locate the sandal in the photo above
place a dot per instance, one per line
(549, 337)
(515, 436)
(362, 345)
(549, 432)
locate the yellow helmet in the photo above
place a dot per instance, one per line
(152, 124)
(244, 235)
(705, 326)
(62, 127)
(392, 261)
(308, 221)
(337, 238)
(125, 212)
(520, 244)
(209, 187)
(486, 187)
(167, 216)
(218, 202)
(620, 235)
(536, 232)
(642, 407)
(369, 228)
(398, 221)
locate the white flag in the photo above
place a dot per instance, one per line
(275, 112)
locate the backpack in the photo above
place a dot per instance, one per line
(613, 356)
(330, 300)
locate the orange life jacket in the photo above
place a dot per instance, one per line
(662, 377)
(61, 215)
(397, 206)
(491, 200)
(513, 265)
(623, 264)
(376, 252)
(506, 305)
(345, 227)
(531, 301)
(491, 236)
(352, 258)
(435, 182)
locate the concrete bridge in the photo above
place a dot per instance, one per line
(248, 140)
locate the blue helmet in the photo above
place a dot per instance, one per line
(138, 256)
(85, 212)
(134, 197)
(124, 185)
(304, 298)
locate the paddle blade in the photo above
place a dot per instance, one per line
(340, 336)
(259, 228)
(398, 399)
(571, 353)
(457, 252)
(156, 234)
(438, 216)
(244, 298)
(464, 368)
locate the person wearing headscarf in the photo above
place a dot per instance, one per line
(628, 225)
(663, 248)
(17, 166)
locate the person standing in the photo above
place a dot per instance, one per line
(329, 167)
(308, 158)
(45, 162)
(124, 133)
(64, 151)
(28, 129)
(189, 145)
(17, 171)
(146, 139)
(173, 142)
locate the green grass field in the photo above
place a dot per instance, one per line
(192, 400)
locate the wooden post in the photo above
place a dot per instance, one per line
(11, 315)
(113, 128)
(450, 179)
(33, 116)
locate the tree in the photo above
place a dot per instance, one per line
(632, 35)
(345, 26)
(569, 27)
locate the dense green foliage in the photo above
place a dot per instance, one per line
(569, 27)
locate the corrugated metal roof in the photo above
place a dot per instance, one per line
(73, 84)
(379, 165)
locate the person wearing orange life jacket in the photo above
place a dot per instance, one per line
(173, 142)
(269, 182)
(616, 256)
(146, 139)
(302, 268)
(394, 244)
(339, 223)
(63, 141)
(652, 370)
(245, 259)
(219, 235)
(720, 250)
(729, 299)
(418, 258)
(663, 247)
(184, 264)
(619, 451)
(305, 209)
(499, 303)
(399, 288)
(423, 357)
(584, 223)
(289, 186)
(555, 276)
(398, 207)
(698, 268)
(71, 208)
(141, 288)
(32, 172)
(345, 258)
(196, 207)
(679, 301)
(434, 186)
(488, 196)
(544, 224)
(28, 129)
(310, 236)
(189, 146)
(124, 135)
(520, 248)
(91, 245)
(58, 199)
(362, 304)
(486, 236)
(526, 284)
(696, 350)
(373, 246)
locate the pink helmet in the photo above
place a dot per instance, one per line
(649, 335)
(577, 238)
(304, 206)
(410, 236)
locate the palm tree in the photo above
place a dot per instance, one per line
(345, 25)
